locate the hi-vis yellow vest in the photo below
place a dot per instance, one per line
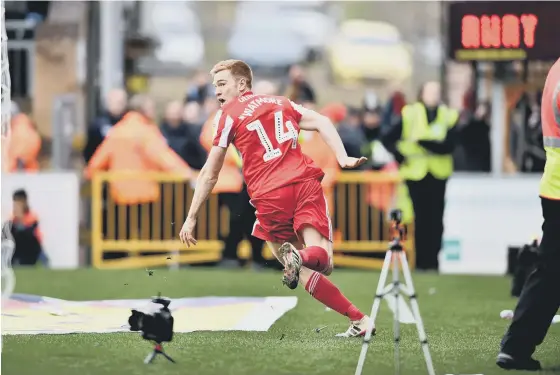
(550, 115)
(419, 161)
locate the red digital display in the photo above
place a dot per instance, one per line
(493, 31)
(503, 30)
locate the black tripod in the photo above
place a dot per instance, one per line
(158, 349)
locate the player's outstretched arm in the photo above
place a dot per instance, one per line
(311, 120)
(204, 185)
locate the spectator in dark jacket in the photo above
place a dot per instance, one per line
(393, 109)
(352, 134)
(474, 139)
(298, 89)
(98, 129)
(182, 134)
(192, 115)
(371, 128)
(200, 89)
(174, 130)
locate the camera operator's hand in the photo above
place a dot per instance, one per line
(187, 232)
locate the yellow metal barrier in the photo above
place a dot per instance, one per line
(146, 235)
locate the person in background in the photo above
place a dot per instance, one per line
(352, 134)
(371, 127)
(298, 89)
(534, 156)
(242, 213)
(135, 144)
(209, 109)
(195, 154)
(25, 143)
(115, 109)
(229, 188)
(313, 145)
(393, 109)
(192, 116)
(26, 233)
(474, 139)
(200, 89)
(264, 87)
(371, 101)
(422, 141)
(174, 130)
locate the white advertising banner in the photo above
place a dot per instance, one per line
(486, 215)
(54, 198)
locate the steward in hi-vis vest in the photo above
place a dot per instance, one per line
(422, 141)
(540, 298)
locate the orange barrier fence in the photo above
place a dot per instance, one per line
(146, 235)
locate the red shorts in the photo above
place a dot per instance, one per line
(283, 212)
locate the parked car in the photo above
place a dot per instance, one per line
(315, 28)
(369, 50)
(267, 48)
(177, 29)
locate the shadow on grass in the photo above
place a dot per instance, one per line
(550, 369)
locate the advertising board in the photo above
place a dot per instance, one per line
(483, 217)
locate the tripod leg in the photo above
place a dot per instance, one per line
(374, 310)
(396, 322)
(168, 357)
(150, 357)
(416, 311)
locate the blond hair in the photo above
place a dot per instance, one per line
(238, 69)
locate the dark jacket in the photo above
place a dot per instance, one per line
(299, 92)
(97, 131)
(27, 237)
(183, 139)
(199, 93)
(475, 140)
(353, 139)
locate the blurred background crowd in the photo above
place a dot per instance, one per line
(79, 68)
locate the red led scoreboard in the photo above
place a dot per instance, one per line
(503, 30)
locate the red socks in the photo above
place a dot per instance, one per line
(329, 295)
(315, 258)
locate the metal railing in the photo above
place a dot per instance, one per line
(147, 233)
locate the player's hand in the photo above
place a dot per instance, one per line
(349, 162)
(186, 235)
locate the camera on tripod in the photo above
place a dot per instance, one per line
(155, 321)
(156, 324)
(398, 229)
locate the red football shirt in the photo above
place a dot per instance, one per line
(265, 129)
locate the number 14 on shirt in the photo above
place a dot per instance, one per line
(281, 135)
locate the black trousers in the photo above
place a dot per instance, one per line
(428, 201)
(28, 248)
(540, 298)
(241, 221)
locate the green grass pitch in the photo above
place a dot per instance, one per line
(461, 317)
